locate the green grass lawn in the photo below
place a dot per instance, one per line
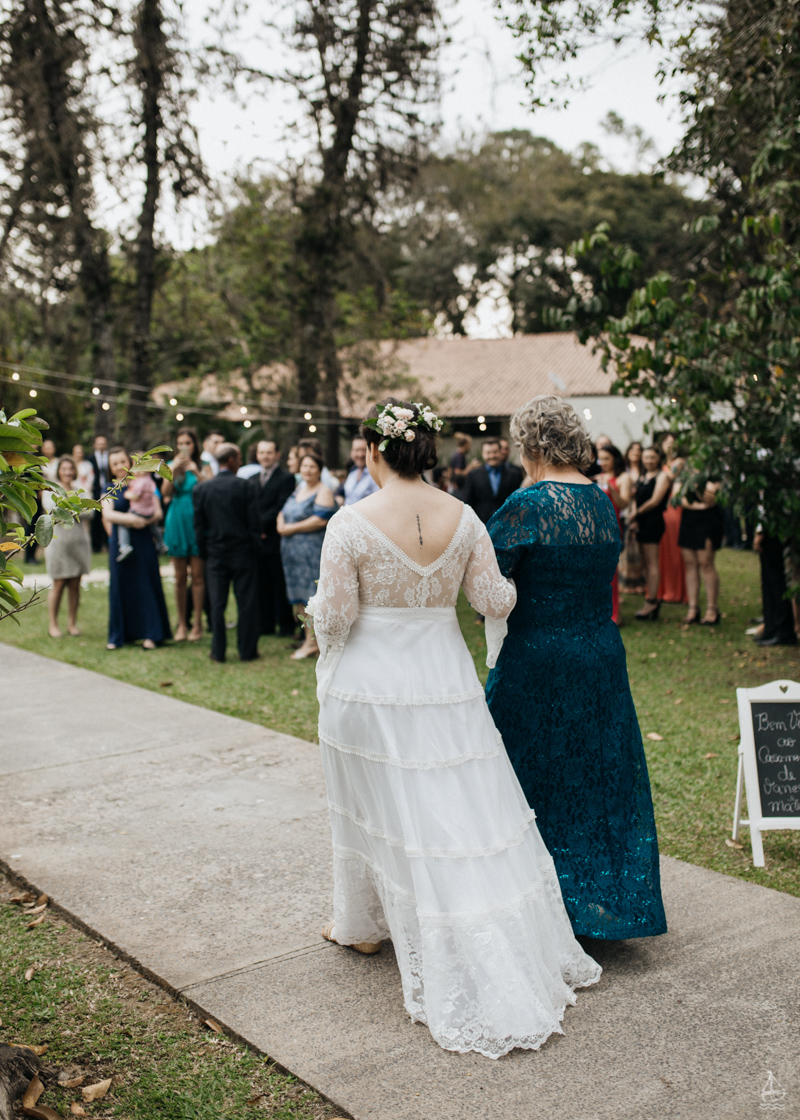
(683, 683)
(99, 1019)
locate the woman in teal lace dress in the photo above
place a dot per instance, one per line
(559, 692)
(188, 470)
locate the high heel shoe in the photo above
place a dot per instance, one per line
(693, 621)
(711, 621)
(649, 616)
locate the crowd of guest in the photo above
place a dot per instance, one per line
(258, 528)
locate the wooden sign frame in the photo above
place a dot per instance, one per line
(748, 778)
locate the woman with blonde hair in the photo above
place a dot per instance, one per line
(559, 692)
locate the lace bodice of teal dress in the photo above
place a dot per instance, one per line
(560, 697)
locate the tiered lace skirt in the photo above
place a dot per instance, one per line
(434, 844)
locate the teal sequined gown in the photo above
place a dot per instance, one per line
(560, 697)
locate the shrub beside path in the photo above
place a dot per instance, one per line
(197, 846)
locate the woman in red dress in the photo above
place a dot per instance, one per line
(615, 482)
(672, 588)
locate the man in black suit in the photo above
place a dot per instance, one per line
(269, 490)
(102, 477)
(225, 528)
(487, 487)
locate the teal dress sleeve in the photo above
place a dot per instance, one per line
(511, 532)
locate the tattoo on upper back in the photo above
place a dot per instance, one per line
(419, 530)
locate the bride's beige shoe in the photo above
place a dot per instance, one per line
(365, 947)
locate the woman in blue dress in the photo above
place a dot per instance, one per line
(187, 470)
(559, 692)
(302, 523)
(136, 606)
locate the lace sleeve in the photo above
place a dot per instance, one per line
(489, 592)
(334, 607)
(508, 535)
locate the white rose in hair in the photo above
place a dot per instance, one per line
(404, 413)
(410, 435)
(400, 426)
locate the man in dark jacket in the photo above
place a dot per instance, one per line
(269, 489)
(224, 526)
(487, 487)
(102, 478)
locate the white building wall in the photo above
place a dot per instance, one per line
(622, 419)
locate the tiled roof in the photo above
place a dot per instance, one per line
(461, 377)
(473, 376)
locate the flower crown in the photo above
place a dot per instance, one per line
(395, 422)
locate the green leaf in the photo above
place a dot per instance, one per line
(165, 471)
(44, 530)
(146, 465)
(26, 412)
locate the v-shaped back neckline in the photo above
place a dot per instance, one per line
(420, 569)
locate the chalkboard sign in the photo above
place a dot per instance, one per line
(776, 735)
(769, 760)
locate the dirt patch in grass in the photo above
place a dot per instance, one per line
(97, 1018)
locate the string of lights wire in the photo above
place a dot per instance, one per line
(278, 411)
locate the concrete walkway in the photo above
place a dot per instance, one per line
(199, 845)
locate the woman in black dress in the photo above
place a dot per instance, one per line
(699, 540)
(647, 521)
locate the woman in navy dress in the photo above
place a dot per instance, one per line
(301, 524)
(559, 692)
(136, 606)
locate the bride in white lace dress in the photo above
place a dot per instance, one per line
(434, 844)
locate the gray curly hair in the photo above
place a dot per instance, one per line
(549, 429)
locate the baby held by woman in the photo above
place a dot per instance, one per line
(141, 498)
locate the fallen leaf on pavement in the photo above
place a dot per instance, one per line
(76, 1109)
(29, 973)
(33, 1092)
(22, 899)
(655, 736)
(72, 1082)
(37, 909)
(43, 1112)
(734, 844)
(96, 1092)
(36, 922)
(215, 1027)
(711, 754)
(42, 900)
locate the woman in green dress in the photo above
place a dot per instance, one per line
(187, 471)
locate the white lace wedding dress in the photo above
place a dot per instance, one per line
(434, 844)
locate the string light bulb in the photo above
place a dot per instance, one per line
(482, 420)
(15, 377)
(631, 406)
(173, 401)
(179, 416)
(243, 411)
(247, 423)
(95, 391)
(312, 427)
(106, 406)
(32, 393)
(587, 412)
(306, 415)
(482, 427)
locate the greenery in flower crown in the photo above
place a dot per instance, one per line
(395, 422)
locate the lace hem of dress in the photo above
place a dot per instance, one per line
(404, 701)
(437, 853)
(404, 764)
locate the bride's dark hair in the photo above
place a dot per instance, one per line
(407, 459)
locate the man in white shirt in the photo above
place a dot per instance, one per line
(358, 483)
(209, 453)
